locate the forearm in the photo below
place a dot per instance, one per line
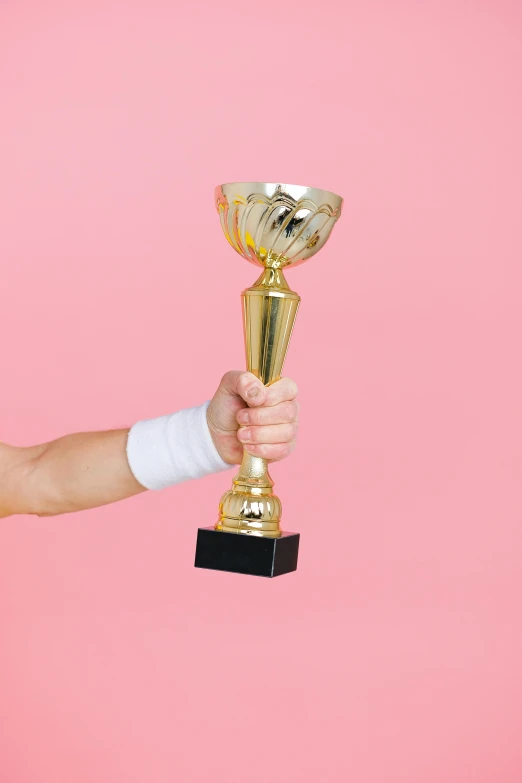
(72, 473)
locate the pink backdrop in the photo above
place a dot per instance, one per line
(395, 652)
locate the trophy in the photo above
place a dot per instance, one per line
(275, 227)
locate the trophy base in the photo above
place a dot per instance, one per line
(244, 554)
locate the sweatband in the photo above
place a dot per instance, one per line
(166, 451)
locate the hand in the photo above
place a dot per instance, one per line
(267, 427)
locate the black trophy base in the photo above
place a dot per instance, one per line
(244, 554)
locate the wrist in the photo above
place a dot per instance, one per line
(171, 449)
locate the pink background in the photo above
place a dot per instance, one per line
(395, 651)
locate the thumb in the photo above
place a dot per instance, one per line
(238, 383)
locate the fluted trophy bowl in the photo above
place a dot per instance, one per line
(275, 225)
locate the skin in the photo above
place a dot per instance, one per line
(86, 470)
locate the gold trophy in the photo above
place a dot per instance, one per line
(273, 226)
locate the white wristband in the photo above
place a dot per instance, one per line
(166, 451)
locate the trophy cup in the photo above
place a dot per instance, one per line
(273, 226)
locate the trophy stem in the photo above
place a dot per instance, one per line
(269, 312)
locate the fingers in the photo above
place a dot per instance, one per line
(273, 441)
(272, 433)
(252, 391)
(271, 451)
(280, 391)
(268, 426)
(283, 413)
(244, 385)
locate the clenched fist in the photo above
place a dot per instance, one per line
(263, 419)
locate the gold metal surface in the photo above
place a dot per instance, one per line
(274, 226)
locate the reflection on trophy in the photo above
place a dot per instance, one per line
(275, 227)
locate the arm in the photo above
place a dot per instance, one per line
(73, 473)
(86, 470)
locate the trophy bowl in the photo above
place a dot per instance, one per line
(274, 225)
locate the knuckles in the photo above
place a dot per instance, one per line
(245, 379)
(291, 411)
(291, 387)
